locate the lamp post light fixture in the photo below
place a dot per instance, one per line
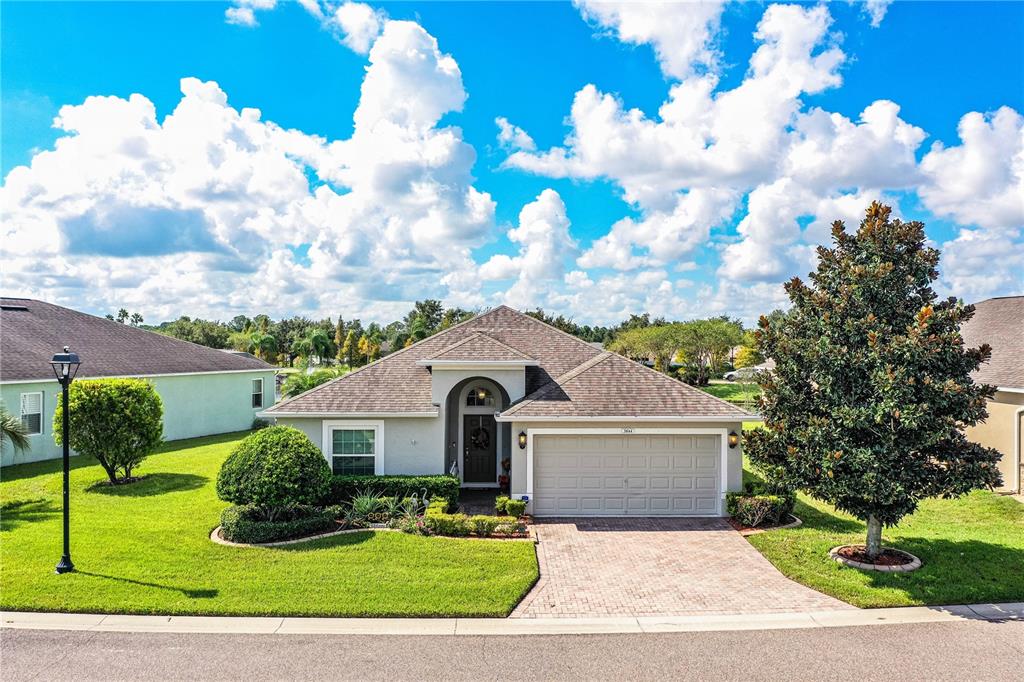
(734, 439)
(65, 367)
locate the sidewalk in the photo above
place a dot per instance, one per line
(506, 626)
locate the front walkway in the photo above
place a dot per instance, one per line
(657, 567)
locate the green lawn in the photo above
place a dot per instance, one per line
(972, 551)
(739, 393)
(145, 548)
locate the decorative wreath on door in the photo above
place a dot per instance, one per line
(480, 439)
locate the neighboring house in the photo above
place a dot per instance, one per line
(999, 322)
(204, 391)
(581, 431)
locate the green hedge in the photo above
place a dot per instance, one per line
(245, 523)
(756, 510)
(344, 488)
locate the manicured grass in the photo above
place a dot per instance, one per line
(972, 551)
(145, 548)
(739, 393)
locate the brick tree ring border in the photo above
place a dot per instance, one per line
(913, 565)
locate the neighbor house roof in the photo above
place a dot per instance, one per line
(999, 322)
(32, 331)
(564, 370)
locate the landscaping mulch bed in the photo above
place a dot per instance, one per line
(889, 560)
(888, 557)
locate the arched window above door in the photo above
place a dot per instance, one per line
(479, 396)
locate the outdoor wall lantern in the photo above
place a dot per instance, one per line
(734, 439)
(65, 367)
(522, 440)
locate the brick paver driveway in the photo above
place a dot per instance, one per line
(657, 567)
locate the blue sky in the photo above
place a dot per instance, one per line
(524, 62)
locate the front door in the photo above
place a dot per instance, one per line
(479, 438)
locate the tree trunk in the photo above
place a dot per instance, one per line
(874, 546)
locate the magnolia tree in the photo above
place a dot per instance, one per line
(872, 389)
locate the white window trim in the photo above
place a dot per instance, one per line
(722, 433)
(42, 411)
(378, 442)
(254, 393)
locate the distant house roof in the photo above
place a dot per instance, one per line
(568, 377)
(999, 322)
(32, 331)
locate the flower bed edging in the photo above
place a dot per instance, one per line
(215, 537)
(914, 564)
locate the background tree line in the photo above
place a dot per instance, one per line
(694, 351)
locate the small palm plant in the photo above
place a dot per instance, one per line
(12, 430)
(363, 508)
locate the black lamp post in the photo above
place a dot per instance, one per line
(65, 366)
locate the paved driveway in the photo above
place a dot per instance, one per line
(657, 567)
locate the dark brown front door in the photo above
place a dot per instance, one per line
(479, 440)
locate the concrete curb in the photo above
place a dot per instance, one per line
(511, 626)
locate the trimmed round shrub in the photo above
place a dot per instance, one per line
(273, 470)
(117, 421)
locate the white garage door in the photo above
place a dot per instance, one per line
(627, 475)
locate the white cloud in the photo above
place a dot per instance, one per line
(662, 237)
(544, 247)
(512, 137)
(983, 263)
(681, 33)
(241, 16)
(981, 181)
(703, 138)
(360, 25)
(243, 13)
(201, 206)
(876, 9)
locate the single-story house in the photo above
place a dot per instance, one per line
(204, 391)
(999, 322)
(578, 431)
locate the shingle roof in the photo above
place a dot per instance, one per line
(32, 331)
(999, 322)
(480, 347)
(596, 383)
(609, 385)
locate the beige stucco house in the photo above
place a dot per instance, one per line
(999, 322)
(578, 431)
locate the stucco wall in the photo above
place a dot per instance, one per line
(1000, 431)
(408, 445)
(194, 405)
(734, 460)
(443, 380)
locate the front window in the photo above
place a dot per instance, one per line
(353, 451)
(32, 413)
(479, 397)
(257, 392)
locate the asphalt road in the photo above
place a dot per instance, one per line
(971, 650)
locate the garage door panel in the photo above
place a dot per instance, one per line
(617, 475)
